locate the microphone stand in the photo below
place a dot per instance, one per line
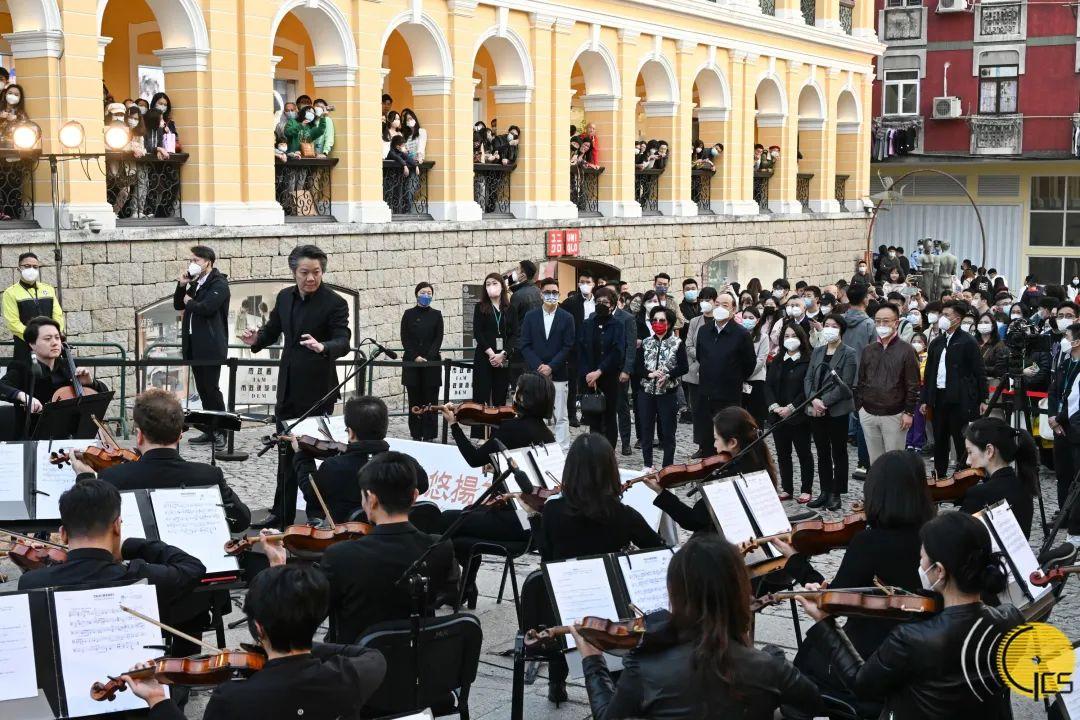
(35, 368)
(1063, 514)
(417, 579)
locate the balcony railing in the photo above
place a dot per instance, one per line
(768, 7)
(847, 15)
(585, 190)
(647, 190)
(407, 195)
(491, 189)
(996, 134)
(17, 190)
(809, 11)
(304, 189)
(802, 190)
(761, 190)
(146, 190)
(840, 191)
(701, 189)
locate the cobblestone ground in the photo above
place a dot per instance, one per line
(253, 480)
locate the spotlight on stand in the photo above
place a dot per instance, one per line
(72, 135)
(117, 136)
(26, 136)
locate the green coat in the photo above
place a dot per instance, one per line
(296, 133)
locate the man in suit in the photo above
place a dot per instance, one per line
(630, 340)
(202, 293)
(315, 323)
(547, 342)
(954, 386)
(285, 606)
(581, 306)
(726, 359)
(602, 359)
(1063, 407)
(525, 297)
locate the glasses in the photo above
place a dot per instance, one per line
(605, 303)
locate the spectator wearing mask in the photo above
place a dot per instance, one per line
(661, 362)
(887, 388)
(995, 353)
(785, 391)
(886, 263)
(417, 136)
(324, 144)
(754, 400)
(602, 348)
(628, 376)
(706, 304)
(421, 335)
(829, 413)
(547, 342)
(288, 112)
(496, 333)
(1064, 411)
(726, 361)
(526, 295)
(662, 284)
(859, 334)
(26, 299)
(916, 437)
(12, 113)
(581, 305)
(688, 310)
(507, 145)
(862, 274)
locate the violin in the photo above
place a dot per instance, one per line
(884, 603)
(534, 500)
(817, 537)
(97, 458)
(1041, 578)
(31, 554)
(315, 447)
(676, 475)
(471, 413)
(304, 538)
(953, 487)
(75, 388)
(195, 671)
(612, 636)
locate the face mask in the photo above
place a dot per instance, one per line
(914, 319)
(1016, 316)
(913, 306)
(1076, 281)
(423, 300)
(660, 328)
(12, 98)
(791, 344)
(924, 579)
(283, 148)
(722, 314)
(161, 107)
(944, 324)
(661, 289)
(309, 116)
(1066, 345)
(985, 328)
(30, 274)
(550, 298)
(1064, 323)
(650, 305)
(714, 152)
(932, 318)
(494, 291)
(291, 114)
(603, 312)
(749, 323)
(690, 295)
(883, 332)
(830, 334)
(966, 327)
(862, 269)
(194, 269)
(778, 293)
(919, 347)
(319, 112)
(826, 309)
(410, 123)
(706, 306)
(133, 122)
(892, 254)
(795, 311)
(585, 288)
(807, 302)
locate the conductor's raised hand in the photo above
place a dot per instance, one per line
(311, 343)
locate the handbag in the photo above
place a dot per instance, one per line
(592, 402)
(307, 149)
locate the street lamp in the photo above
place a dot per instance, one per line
(27, 136)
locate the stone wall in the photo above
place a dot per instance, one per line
(105, 277)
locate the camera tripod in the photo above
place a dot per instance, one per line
(1017, 409)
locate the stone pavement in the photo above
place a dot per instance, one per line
(253, 480)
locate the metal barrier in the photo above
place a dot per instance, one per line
(701, 189)
(802, 190)
(761, 190)
(146, 190)
(647, 190)
(585, 190)
(407, 195)
(304, 188)
(17, 190)
(491, 189)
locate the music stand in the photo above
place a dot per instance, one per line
(71, 419)
(212, 422)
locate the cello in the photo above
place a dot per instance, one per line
(76, 389)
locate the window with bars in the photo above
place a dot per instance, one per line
(901, 94)
(999, 86)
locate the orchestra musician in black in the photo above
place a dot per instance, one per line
(993, 446)
(314, 321)
(919, 670)
(699, 661)
(301, 678)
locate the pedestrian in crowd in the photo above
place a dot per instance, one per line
(831, 373)
(785, 393)
(421, 342)
(547, 343)
(601, 350)
(627, 374)
(496, 332)
(581, 305)
(662, 363)
(726, 360)
(887, 389)
(754, 389)
(860, 332)
(916, 437)
(688, 310)
(28, 298)
(1064, 413)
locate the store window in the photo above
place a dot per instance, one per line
(1055, 212)
(1054, 270)
(901, 92)
(998, 89)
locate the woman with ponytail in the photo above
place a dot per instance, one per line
(700, 662)
(921, 671)
(993, 445)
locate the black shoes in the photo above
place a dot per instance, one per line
(820, 501)
(626, 449)
(557, 692)
(203, 439)
(271, 521)
(834, 502)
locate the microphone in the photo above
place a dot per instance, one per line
(383, 349)
(35, 366)
(841, 382)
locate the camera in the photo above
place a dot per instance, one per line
(1023, 340)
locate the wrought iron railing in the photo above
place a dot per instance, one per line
(802, 190)
(701, 189)
(768, 7)
(145, 190)
(304, 188)
(647, 190)
(809, 11)
(847, 15)
(407, 195)
(17, 190)
(585, 190)
(761, 190)
(996, 134)
(840, 191)
(491, 189)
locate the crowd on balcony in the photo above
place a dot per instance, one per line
(491, 148)
(705, 158)
(765, 160)
(404, 153)
(136, 185)
(12, 114)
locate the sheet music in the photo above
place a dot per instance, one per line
(52, 479)
(12, 477)
(194, 520)
(18, 674)
(310, 426)
(1071, 700)
(728, 511)
(519, 456)
(641, 497)
(645, 577)
(1017, 548)
(764, 503)
(581, 588)
(131, 524)
(95, 638)
(549, 460)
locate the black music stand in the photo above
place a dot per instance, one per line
(71, 419)
(213, 421)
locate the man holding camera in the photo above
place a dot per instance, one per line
(202, 294)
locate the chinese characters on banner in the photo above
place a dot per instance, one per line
(452, 483)
(563, 243)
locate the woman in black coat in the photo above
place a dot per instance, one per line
(784, 392)
(993, 445)
(421, 338)
(495, 332)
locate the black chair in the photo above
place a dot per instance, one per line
(449, 656)
(507, 550)
(535, 612)
(425, 516)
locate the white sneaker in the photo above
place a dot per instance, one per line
(1073, 540)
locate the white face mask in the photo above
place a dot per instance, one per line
(30, 274)
(309, 116)
(944, 324)
(410, 123)
(194, 270)
(924, 579)
(791, 344)
(795, 311)
(585, 288)
(830, 334)
(883, 332)
(749, 323)
(161, 107)
(919, 347)
(319, 111)
(1064, 323)
(966, 327)
(133, 122)
(1066, 345)
(494, 291)
(932, 318)
(706, 306)
(722, 314)
(650, 305)
(778, 293)
(1016, 316)
(985, 328)
(12, 98)
(826, 309)
(282, 148)
(914, 319)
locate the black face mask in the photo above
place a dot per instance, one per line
(603, 312)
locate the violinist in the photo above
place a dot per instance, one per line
(993, 445)
(701, 663)
(918, 671)
(301, 678)
(32, 384)
(733, 429)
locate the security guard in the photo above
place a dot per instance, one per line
(29, 298)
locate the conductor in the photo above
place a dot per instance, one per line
(315, 323)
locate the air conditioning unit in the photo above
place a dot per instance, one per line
(947, 108)
(948, 6)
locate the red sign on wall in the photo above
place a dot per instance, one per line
(556, 243)
(573, 243)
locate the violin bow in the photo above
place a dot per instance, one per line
(58, 546)
(325, 509)
(104, 435)
(212, 648)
